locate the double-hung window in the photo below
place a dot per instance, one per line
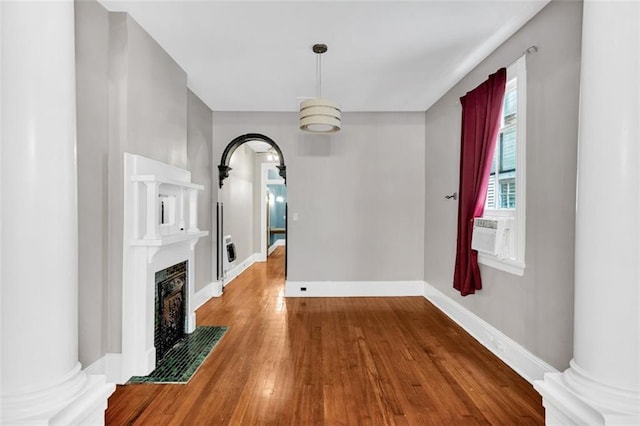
(506, 189)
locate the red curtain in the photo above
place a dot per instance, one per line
(481, 110)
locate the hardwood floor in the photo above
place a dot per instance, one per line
(332, 361)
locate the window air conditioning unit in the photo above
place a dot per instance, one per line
(491, 235)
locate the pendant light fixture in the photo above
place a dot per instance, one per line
(319, 115)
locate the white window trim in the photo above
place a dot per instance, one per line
(516, 265)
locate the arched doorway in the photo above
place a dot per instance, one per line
(223, 168)
(223, 173)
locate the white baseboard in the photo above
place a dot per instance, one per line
(97, 368)
(238, 269)
(203, 295)
(276, 244)
(109, 366)
(353, 288)
(191, 323)
(527, 365)
(217, 288)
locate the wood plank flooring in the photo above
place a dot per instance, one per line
(332, 361)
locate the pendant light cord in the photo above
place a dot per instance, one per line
(319, 75)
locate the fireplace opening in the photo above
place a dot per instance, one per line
(171, 308)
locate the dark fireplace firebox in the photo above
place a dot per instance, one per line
(171, 300)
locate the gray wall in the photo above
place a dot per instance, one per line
(147, 116)
(132, 97)
(536, 310)
(199, 154)
(92, 26)
(359, 194)
(238, 197)
(156, 100)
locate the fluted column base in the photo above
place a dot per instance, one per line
(78, 399)
(574, 398)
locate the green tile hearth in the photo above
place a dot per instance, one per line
(184, 359)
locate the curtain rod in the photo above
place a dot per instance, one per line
(530, 49)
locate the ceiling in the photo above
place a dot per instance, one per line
(382, 56)
(258, 146)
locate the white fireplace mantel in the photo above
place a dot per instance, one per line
(160, 230)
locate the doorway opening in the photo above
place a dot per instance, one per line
(273, 202)
(273, 212)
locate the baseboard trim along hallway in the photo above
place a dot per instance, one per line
(334, 360)
(353, 288)
(240, 268)
(523, 362)
(526, 364)
(202, 296)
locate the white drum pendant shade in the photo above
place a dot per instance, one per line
(320, 115)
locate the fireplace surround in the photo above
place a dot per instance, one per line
(160, 231)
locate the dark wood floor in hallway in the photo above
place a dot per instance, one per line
(332, 361)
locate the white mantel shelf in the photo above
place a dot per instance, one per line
(169, 239)
(166, 181)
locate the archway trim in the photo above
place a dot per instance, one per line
(223, 168)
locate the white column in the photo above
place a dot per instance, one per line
(602, 384)
(193, 210)
(42, 381)
(181, 219)
(152, 211)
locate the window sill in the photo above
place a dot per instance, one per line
(507, 265)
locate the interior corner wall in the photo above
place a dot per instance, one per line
(237, 195)
(199, 158)
(358, 194)
(132, 97)
(535, 310)
(92, 30)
